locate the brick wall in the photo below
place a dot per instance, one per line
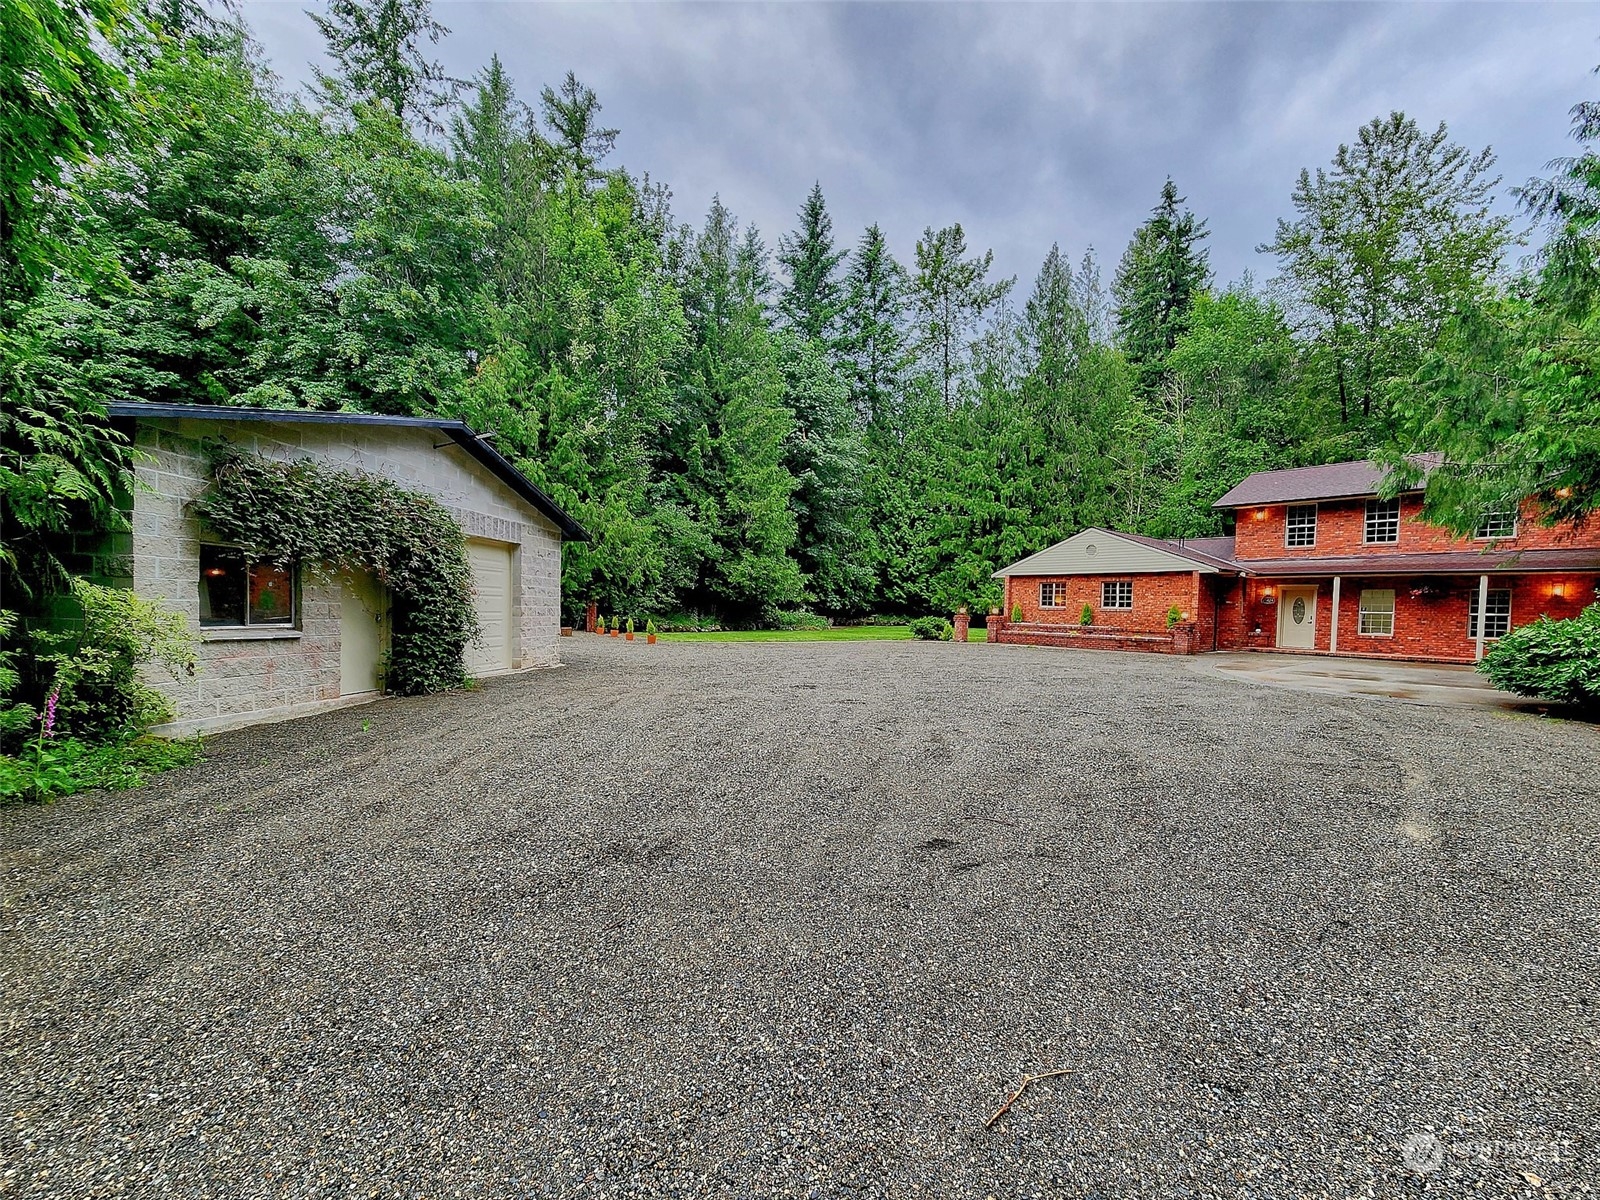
(1153, 595)
(240, 676)
(1341, 526)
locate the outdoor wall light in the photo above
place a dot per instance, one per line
(1564, 493)
(1261, 514)
(1558, 590)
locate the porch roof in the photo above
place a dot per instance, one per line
(1449, 562)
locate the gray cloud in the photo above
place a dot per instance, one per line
(1029, 124)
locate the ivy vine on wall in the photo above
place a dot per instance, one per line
(323, 517)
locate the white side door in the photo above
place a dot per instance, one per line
(362, 613)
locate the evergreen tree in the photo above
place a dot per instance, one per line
(579, 142)
(950, 295)
(1164, 266)
(871, 327)
(376, 46)
(811, 299)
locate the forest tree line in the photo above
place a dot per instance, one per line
(746, 428)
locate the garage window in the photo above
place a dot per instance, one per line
(239, 591)
(1377, 612)
(1117, 593)
(1052, 595)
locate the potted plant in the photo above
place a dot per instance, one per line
(616, 627)
(649, 633)
(600, 627)
(630, 629)
(1086, 617)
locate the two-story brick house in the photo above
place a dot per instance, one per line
(1318, 563)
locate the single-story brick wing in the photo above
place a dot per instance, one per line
(1318, 563)
(277, 640)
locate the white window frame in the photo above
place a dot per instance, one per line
(1289, 529)
(1112, 600)
(1482, 532)
(1377, 516)
(1052, 595)
(1366, 608)
(1495, 616)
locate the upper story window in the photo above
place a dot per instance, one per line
(1383, 521)
(1300, 525)
(1052, 595)
(1496, 525)
(1116, 593)
(239, 591)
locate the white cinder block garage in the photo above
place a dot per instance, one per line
(279, 642)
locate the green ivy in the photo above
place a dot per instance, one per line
(307, 513)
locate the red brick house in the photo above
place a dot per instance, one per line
(1318, 563)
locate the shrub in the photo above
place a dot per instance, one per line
(1174, 615)
(1016, 613)
(932, 629)
(800, 620)
(54, 766)
(1086, 617)
(102, 695)
(1550, 659)
(630, 625)
(649, 628)
(600, 625)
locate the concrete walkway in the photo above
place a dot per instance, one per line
(1440, 684)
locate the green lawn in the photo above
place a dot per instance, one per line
(849, 633)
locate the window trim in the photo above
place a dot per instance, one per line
(1368, 518)
(1362, 612)
(1120, 584)
(235, 631)
(1472, 614)
(1288, 526)
(1478, 534)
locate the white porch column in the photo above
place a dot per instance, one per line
(1483, 613)
(1333, 623)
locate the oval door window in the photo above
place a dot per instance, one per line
(1299, 610)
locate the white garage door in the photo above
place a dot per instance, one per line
(492, 583)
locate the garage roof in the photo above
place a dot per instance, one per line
(1106, 552)
(459, 432)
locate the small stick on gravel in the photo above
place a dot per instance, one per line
(1027, 1080)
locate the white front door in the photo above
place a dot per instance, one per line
(494, 596)
(1297, 618)
(361, 618)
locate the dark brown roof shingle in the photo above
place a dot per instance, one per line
(1331, 482)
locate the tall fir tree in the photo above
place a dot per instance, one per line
(872, 327)
(811, 299)
(1165, 264)
(376, 46)
(950, 295)
(578, 142)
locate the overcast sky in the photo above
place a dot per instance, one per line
(1028, 124)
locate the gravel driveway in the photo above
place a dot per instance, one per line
(796, 919)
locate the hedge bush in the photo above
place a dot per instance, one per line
(1550, 659)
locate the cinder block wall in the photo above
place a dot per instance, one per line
(241, 678)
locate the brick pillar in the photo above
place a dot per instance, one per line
(594, 616)
(962, 621)
(1183, 637)
(993, 623)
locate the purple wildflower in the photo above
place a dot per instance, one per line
(50, 711)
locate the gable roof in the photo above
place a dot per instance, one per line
(459, 432)
(1096, 551)
(1335, 481)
